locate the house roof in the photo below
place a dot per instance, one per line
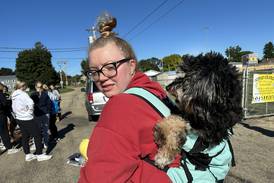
(151, 73)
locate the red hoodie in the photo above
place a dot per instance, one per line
(124, 135)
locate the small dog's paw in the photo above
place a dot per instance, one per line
(162, 160)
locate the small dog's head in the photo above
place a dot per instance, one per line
(209, 95)
(170, 132)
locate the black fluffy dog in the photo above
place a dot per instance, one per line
(208, 93)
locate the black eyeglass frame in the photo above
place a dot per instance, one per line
(91, 72)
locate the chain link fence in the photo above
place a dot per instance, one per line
(252, 110)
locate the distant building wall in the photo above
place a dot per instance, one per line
(9, 81)
(166, 78)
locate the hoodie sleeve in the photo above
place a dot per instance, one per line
(121, 137)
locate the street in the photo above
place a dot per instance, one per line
(253, 144)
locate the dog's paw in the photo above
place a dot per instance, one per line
(162, 160)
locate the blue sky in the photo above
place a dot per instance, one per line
(194, 26)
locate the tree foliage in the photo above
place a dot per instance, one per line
(6, 71)
(149, 64)
(35, 65)
(245, 52)
(234, 53)
(268, 50)
(74, 80)
(84, 66)
(171, 62)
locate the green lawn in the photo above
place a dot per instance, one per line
(65, 90)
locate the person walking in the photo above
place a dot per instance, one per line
(4, 133)
(22, 106)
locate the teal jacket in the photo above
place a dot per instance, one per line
(221, 154)
(218, 166)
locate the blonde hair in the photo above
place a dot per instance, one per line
(105, 24)
(20, 85)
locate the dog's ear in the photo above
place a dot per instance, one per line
(159, 137)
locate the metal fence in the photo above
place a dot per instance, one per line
(252, 110)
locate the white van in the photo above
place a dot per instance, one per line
(95, 101)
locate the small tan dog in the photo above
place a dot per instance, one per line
(169, 135)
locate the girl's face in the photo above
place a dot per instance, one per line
(106, 57)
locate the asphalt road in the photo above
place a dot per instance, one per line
(74, 127)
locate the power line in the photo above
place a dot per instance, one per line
(54, 51)
(16, 48)
(7, 58)
(7, 49)
(56, 58)
(158, 19)
(146, 17)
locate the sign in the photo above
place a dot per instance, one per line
(263, 88)
(249, 59)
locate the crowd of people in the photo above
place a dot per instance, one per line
(35, 115)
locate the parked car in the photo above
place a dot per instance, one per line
(95, 101)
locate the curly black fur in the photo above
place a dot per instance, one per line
(209, 95)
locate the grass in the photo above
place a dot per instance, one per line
(65, 90)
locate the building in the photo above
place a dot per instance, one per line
(250, 59)
(9, 81)
(152, 74)
(165, 78)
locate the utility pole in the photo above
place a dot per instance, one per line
(65, 72)
(60, 72)
(91, 38)
(92, 35)
(62, 67)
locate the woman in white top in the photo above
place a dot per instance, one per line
(22, 106)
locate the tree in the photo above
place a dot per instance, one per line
(149, 64)
(245, 53)
(268, 50)
(74, 80)
(6, 71)
(35, 65)
(157, 62)
(171, 62)
(234, 53)
(84, 66)
(186, 56)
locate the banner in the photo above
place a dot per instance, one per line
(263, 88)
